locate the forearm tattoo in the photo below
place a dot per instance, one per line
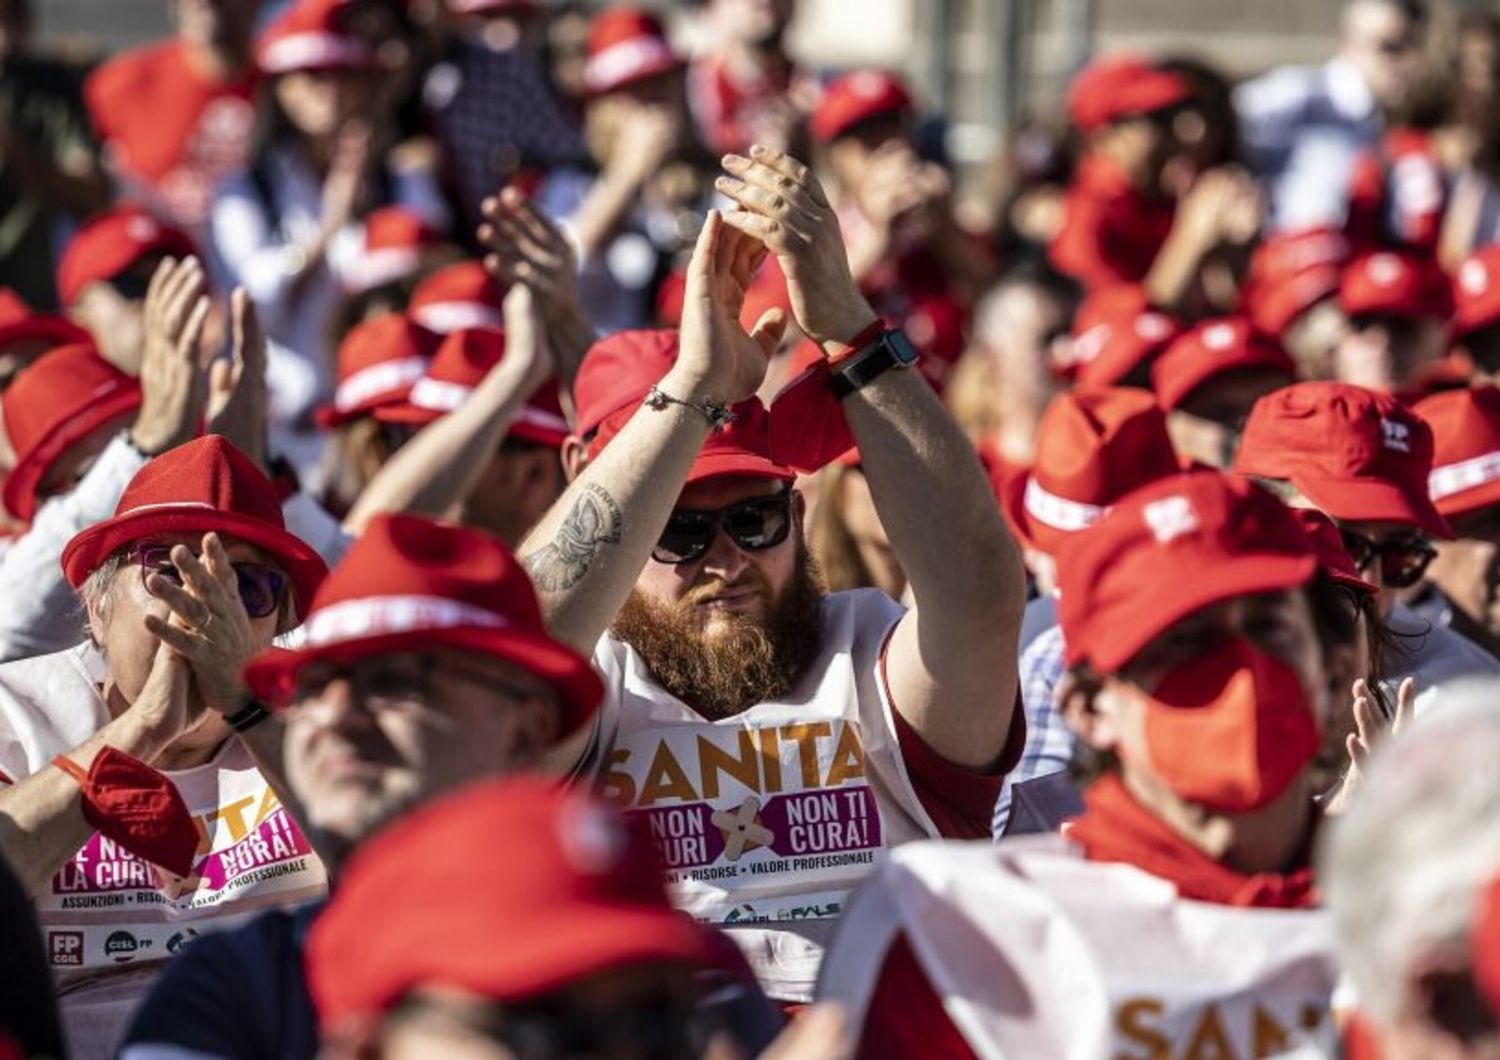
(594, 520)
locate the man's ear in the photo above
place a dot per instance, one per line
(575, 457)
(1081, 700)
(98, 610)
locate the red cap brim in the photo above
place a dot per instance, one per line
(19, 491)
(1373, 500)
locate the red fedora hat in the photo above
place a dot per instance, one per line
(1465, 474)
(21, 323)
(412, 584)
(111, 242)
(205, 485)
(625, 45)
(379, 361)
(66, 395)
(458, 296)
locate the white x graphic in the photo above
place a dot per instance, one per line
(742, 829)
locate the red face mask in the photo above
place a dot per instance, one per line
(1230, 730)
(137, 807)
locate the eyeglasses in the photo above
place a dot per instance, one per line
(384, 684)
(1403, 560)
(754, 525)
(262, 588)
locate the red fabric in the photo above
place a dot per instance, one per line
(1396, 283)
(127, 801)
(312, 35)
(625, 45)
(1114, 827)
(1110, 233)
(1476, 291)
(728, 109)
(617, 372)
(1328, 544)
(19, 323)
(1465, 427)
(389, 338)
(854, 98)
(905, 1017)
(1213, 348)
(157, 115)
(1122, 86)
(1359, 1039)
(1485, 944)
(1396, 194)
(110, 243)
(960, 801)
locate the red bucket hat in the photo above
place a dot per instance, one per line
(66, 395)
(458, 367)
(1290, 272)
(1396, 283)
(411, 584)
(109, 243)
(1476, 291)
(457, 297)
(205, 485)
(311, 35)
(1122, 86)
(1211, 349)
(379, 360)
(539, 887)
(617, 372)
(626, 45)
(395, 240)
(1354, 453)
(1117, 337)
(1465, 424)
(1328, 545)
(1172, 548)
(20, 323)
(857, 97)
(1094, 446)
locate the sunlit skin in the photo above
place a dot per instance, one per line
(750, 581)
(319, 103)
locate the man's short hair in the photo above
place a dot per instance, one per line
(1401, 870)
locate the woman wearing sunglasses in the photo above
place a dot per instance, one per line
(1363, 459)
(132, 806)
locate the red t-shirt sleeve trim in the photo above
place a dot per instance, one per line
(905, 1017)
(960, 801)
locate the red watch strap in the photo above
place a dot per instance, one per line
(871, 332)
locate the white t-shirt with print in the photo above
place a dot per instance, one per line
(108, 917)
(767, 820)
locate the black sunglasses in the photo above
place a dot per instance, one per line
(1403, 560)
(754, 525)
(262, 588)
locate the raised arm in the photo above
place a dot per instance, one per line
(587, 552)
(951, 665)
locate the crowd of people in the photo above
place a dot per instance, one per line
(534, 531)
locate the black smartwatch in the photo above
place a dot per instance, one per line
(891, 350)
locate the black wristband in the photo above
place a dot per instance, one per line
(247, 717)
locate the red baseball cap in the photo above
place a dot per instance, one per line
(1328, 545)
(20, 323)
(1172, 548)
(395, 240)
(626, 45)
(741, 448)
(617, 372)
(1465, 424)
(411, 584)
(311, 35)
(1211, 349)
(459, 366)
(856, 97)
(1118, 335)
(1356, 454)
(1122, 86)
(109, 243)
(64, 396)
(1476, 291)
(520, 887)
(1396, 283)
(379, 361)
(458, 296)
(205, 485)
(1093, 446)
(1290, 272)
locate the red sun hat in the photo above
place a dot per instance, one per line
(1094, 446)
(1122, 86)
(311, 35)
(459, 366)
(1396, 283)
(626, 45)
(1355, 454)
(64, 396)
(1168, 550)
(395, 240)
(1211, 349)
(21, 323)
(529, 888)
(857, 97)
(1328, 545)
(1476, 291)
(412, 584)
(379, 361)
(1118, 337)
(1465, 424)
(204, 486)
(458, 296)
(111, 242)
(1290, 272)
(617, 372)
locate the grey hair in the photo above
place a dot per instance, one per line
(1401, 870)
(95, 590)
